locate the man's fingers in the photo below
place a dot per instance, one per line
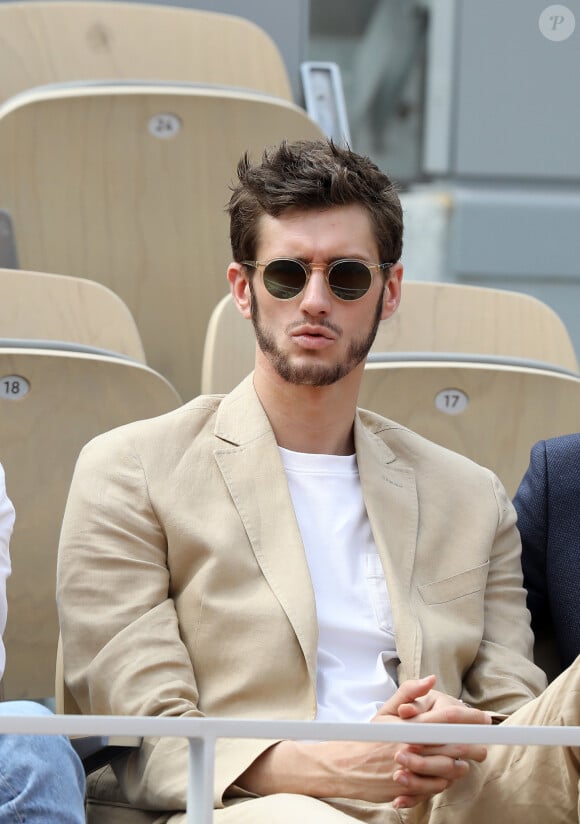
(418, 707)
(408, 692)
(463, 752)
(428, 770)
(406, 802)
(433, 766)
(452, 714)
(462, 714)
(424, 785)
(413, 688)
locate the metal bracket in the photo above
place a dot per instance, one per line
(324, 99)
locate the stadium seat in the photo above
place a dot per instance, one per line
(510, 387)
(51, 403)
(126, 184)
(473, 321)
(53, 42)
(229, 349)
(434, 320)
(492, 413)
(41, 309)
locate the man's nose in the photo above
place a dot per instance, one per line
(316, 295)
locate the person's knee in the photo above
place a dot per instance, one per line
(23, 708)
(41, 757)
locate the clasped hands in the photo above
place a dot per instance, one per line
(423, 770)
(405, 774)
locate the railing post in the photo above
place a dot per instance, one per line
(200, 783)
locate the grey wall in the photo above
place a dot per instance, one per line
(506, 125)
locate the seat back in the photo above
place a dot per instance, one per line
(36, 306)
(477, 320)
(229, 349)
(54, 42)
(491, 409)
(146, 216)
(51, 404)
(434, 319)
(491, 413)
(64, 703)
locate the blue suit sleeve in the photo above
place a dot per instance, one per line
(531, 503)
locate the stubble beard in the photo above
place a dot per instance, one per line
(314, 374)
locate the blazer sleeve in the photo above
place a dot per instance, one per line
(123, 654)
(504, 676)
(531, 504)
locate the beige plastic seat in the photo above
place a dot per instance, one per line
(53, 42)
(57, 309)
(513, 400)
(476, 320)
(51, 404)
(434, 319)
(229, 349)
(491, 413)
(126, 185)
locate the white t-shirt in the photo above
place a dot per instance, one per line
(357, 655)
(6, 526)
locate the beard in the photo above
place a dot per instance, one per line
(314, 374)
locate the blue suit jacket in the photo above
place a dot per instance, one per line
(548, 507)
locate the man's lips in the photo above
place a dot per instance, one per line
(313, 337)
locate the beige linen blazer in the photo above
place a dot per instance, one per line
(183, 587)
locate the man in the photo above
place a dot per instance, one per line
(548, 520)
(41, 777)
(277, 553)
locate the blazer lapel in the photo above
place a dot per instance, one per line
(390, 495)
(250, 463)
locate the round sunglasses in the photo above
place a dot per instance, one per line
(347, 279)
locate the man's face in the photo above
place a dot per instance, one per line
(316, 339)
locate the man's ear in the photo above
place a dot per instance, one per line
(392, 291)
(240, 288)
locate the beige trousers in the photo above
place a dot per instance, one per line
(514, 785)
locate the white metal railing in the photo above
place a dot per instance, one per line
(202, 734)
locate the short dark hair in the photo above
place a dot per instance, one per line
(312, 174)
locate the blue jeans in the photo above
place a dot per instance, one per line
(41, 777)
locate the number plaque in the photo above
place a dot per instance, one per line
(13, 387)
(451, 401)
(164, 126)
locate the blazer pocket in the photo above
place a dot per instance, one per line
(457, 586)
